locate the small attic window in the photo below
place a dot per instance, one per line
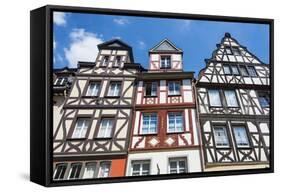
(236, 51)
(105, 60)
(165, 62)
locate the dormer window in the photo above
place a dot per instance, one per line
(165, 62)
(236, 51)
(105, 61)
(117, 62)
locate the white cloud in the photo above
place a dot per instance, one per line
(185, 25)
(83, 47)
(121, 21)
(141, 44)
(60, 18)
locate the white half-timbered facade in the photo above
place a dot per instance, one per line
(92, 137)
(233, 92)
(164, 138)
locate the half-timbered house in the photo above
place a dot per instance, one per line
(91, 138)
(164, 138)
(233, 108)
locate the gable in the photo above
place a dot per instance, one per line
(165, 45)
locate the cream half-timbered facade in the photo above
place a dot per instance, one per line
(164, 138)
(92, 137)
(233, 108)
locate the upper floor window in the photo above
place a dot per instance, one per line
(105, 60)
(140, 168)
(214, 98)
(252, 71)
(226, 69)
(264, 99)
(228, 50)
(230, 70)
(175, 122)
(165, 62)
(61, 81)
(93, 89)
(81, 127)
(234, 70)
(241, 136)
(104, 169)
(177, 165)
(75, 171)
(60, 171)
(236, 51)
(221, 137)
(243, 70)
(230, 97)
(106, 128)
(149, 123)
(114, 89)
(174, 88)
(117, 62)
(151, 88)
(90, 170)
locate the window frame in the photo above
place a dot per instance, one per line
(168, 124)
(224, 126)
(253, 69)
(246, 70)
(220, 97)
(96, 164)
(236, 48)
(177, 160)
(226, 47)
(259, 93)
(234, 126)
(141, 162)
(151, 84)
(236, 97)
(117, 64)
(229, 68)
(142, 120)
(73, 126)
(180, 88)
(55, 171)
(166, 66)
(119, 92)
(85, 94)
(113, 118)
(103, 62)
(100, 166)
(70, 170)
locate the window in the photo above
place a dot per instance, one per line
(230, 97)
(165, 62)
(140, 168)
(93, 89)
(221, 138)
(226, 69)
(244, 71)
(228, 51)
(81, 128)
(175, 122)
(106, 128)
(117, 61)
(104, 169)
(114, 89)
(236, 51)
(149, 123)
(75, 171)
(264, 99)
(174, 88)
(177, 165)
(105, 61)
(252, 71)
(151, 89)
(234, 70)
(60, 81)
(90, 170)
(214, 97)
(241, 137)
(60, 171)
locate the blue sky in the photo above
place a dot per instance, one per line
(76, 36)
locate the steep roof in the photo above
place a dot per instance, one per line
(165, 46)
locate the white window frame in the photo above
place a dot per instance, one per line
(174, 91)
(229, 103)
(106, 132)
(87, 165)
(104, 62)
(117, 62)
(177, 160)
(61, 79)
(82, 132)
(211, 102)
(117, 89)
(95, 90)
(221, 145)
(167, 60)
(175, 129)
(235, 127)
(150, 131)
(141, 170)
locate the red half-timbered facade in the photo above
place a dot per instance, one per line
(164, 126)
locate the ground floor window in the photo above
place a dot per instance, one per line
(140, 168)
(177, 165)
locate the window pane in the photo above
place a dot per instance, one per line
(241, 136)
(149, 123)
(81, 128)
(221, 138)
(60, 171)
(175, 122)
(226, 69)
(154, 89)
(244, 71)
(177, 165)
(214, 97)
(106, 127)
(165, 62)
(174, 88)
(140, 168)
(264, 99)
(228, 50)
(114, 89)
(235, 50)
(231, 99)
(75, 171)
(104, 169)
(252, 71)
(93, 89)
(234, 70)
(90, 170)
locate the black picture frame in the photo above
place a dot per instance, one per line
(41, 117)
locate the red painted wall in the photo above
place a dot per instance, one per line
(118, 167)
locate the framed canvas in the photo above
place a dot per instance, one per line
(122, 95)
